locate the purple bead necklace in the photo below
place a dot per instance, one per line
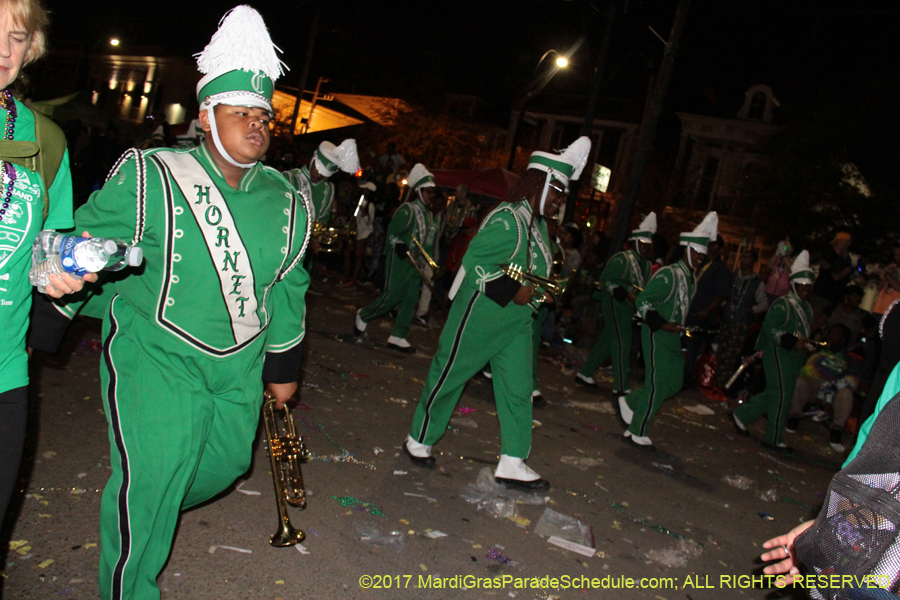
(9, 171)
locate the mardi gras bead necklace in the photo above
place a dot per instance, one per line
(9, 171)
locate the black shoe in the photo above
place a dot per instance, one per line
(792, 424)
(406, 350)
(427, 462)
(538, 485)
(737, 426)
(357, 332)
(782, 449)
(538, 401)
(420, 321)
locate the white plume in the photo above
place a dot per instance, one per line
(577, 155)
(346, 156)
(241, 42)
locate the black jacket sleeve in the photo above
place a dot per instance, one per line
(654, 320)
(502, 290)
(283, 367)
(401, 250)
(788, 341)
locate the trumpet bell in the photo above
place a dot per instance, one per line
(331, 239)
(287, 536)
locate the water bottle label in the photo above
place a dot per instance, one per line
(67, 257)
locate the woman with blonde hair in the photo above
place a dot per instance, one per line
(35, 194)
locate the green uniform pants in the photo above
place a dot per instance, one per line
(479, 331)
(538, 324)
(181, 426)
(781, 368)
(663, 376)
(401, 291)
(615, 340)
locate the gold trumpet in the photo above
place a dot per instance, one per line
(813, 343)
(437, 271)
(596, 284)
(554, 287)
(286, 452)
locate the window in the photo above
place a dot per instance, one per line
(757, 106)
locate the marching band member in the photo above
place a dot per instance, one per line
(401, 279)
(217, 311)
(624, 276)
(490, 320)
(663, 306)
(313, 179)
(783, 342)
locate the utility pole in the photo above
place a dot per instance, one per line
(588, 126)
(314, 28)
(648, 129)
(312, 105)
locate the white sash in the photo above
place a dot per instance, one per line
(210, 215)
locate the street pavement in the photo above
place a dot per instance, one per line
(688, 519)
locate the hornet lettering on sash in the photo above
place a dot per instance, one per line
(222, 237)
(237, 283)
(202, 193)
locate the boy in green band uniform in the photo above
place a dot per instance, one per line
(490, 320)
(624, 276)
(218, 309)
(783, 342)
(327, 160)
(312, 182)
(663, 305)
(401, 279)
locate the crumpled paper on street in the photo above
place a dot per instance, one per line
(677, 555)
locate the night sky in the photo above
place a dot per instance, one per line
(836, 58)
(421, 49)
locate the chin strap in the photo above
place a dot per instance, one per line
(544, 195)
(218, 143)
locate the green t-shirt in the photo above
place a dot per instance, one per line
(18, 227)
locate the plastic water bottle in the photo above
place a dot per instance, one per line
(54, 254)
(125, 255)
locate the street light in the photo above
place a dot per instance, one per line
(114, 42)
(537, 84)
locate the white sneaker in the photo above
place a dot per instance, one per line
(625, 411)
(585, 379)
(487, 374)
(402, 343)
(641, 440)
(821, 416)
(511, 467)
(416, 449)
(360, 324)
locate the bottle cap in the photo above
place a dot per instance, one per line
(109, 246)
(135, 256)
